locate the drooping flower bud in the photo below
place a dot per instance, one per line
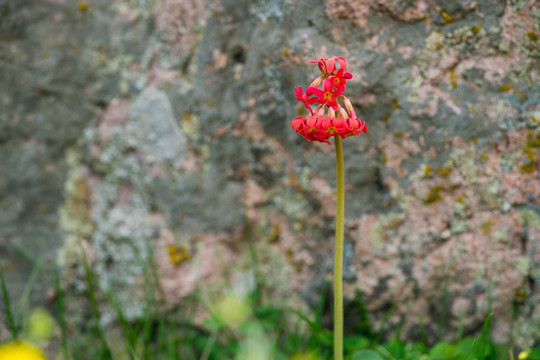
(349, 106)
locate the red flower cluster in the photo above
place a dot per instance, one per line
(338, 121)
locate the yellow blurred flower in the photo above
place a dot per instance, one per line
(232, 310)
(40, 325)
(523, 355)
(19, 350)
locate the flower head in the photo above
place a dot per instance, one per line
(20, 351)
(338, 121)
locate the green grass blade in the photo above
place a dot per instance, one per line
(153, 272)
(9, 314)
(129, 333)
(162, 337)
(24, 302)
(61, 317)
(365, 324)
(383, 323)
(442, 317)
(423, 332)
(322, 302)
(105, 351)
(486, 328)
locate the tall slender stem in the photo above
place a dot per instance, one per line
(338, 256)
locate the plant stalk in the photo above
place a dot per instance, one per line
(338, 256)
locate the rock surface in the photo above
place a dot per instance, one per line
(159, 130)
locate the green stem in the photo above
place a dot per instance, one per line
(338, 261)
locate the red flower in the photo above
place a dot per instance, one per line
(352, 127)
(327, 96)
(300, 96)
(339, 80)
(312, 127)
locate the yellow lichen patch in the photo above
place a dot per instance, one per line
(83, 6)
(190, 126)
(484, 156)
(532, 36)
(476, 29)
(384, 158)
(178, 254)
(528, 162)
(444, 171)
(428, 171)
(474, 140)
(273, 237)
(10, 265)
(486, 227)
(533, 140)
(462, 198)
(472, 109)
(447, 18)
(506, 88)
(520, 295)
(74, 215)
(521, 96)
(398, 133)
(395, 103)
(453, 77)
(530, 218)
(433, 195)
(529, 150)
(378, 232)
(286, 53)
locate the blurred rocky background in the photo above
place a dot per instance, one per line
(159, 131)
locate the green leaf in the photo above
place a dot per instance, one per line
(212, 323)
(352, 344)
(501, 352)
(366, 354)
(474, 347)
(534, 354)
(395, 348)
(442, 350)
